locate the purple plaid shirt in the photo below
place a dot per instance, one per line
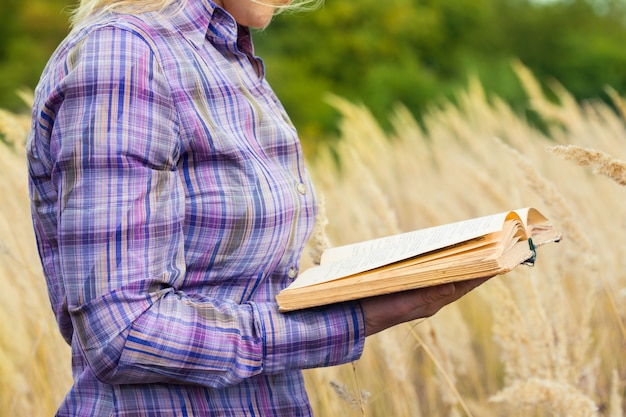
(170, 204)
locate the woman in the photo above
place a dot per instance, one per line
(171, 204)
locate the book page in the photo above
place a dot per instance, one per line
(355, 258)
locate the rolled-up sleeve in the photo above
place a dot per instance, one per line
(311, 338)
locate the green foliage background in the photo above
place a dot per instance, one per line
(416, 51)
(29, 32)
(412, 52)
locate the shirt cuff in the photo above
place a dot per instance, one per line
(310, 338)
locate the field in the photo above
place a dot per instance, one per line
(542, 341)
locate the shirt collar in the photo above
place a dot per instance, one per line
(202, 19)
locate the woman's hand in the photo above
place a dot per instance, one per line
(385, 311)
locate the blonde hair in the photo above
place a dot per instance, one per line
(88, 8)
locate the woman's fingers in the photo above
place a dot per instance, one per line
(388, 310)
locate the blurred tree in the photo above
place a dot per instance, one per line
(400, 51)
(578, 43)
(416, 51)
(29, 32)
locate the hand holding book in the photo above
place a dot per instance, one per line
(384, 311)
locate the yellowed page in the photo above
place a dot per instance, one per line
(356, 258)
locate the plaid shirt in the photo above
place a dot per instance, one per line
(170, 204)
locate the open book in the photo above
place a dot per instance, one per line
(475, 248)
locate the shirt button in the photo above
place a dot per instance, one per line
(301, 188)
(292, 273)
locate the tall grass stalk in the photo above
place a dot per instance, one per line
(609, 167)
(445, 375)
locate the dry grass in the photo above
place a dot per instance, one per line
(542, 341)
(34, 360)
(538, 342)
(604, 164)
